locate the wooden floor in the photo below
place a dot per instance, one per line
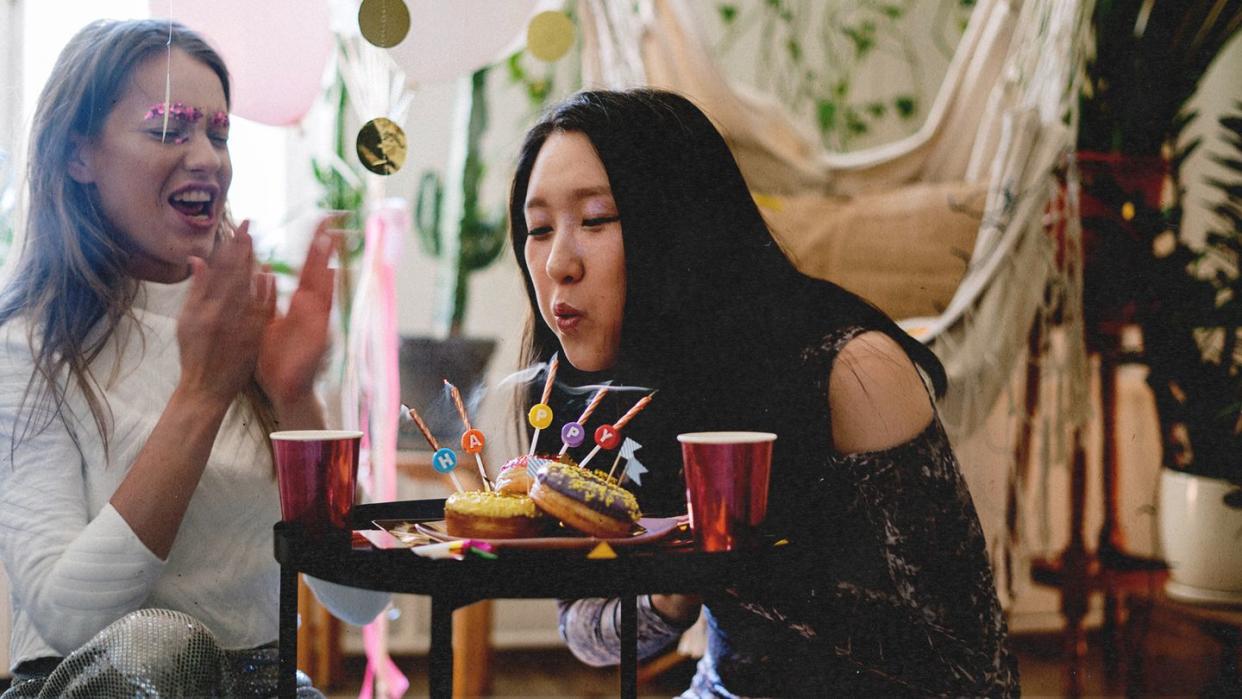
(1175, 665)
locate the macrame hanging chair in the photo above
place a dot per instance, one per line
(988, 179)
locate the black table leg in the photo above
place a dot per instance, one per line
(440, 676)
(629, 646)
(287, 682)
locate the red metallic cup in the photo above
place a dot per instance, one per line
(726, 485)
(317, 471)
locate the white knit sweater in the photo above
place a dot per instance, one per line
(74, 565)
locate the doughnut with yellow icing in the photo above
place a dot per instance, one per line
(491, 515)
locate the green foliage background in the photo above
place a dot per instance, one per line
(815, 56)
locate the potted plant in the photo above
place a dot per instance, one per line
(342, 190)
(1147, 62)
(452, 228)
(1191, 322)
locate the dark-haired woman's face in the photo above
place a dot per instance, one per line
(574, 250)
(163, 190)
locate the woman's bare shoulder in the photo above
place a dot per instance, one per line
(876, 397)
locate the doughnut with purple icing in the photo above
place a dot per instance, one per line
(585, 500)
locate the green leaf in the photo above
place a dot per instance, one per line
(320, 175)
(1228, 163)
(728, 12)
(795, 49)
(826, 114)
(516, 73)
(906, 106)
(863, 37)
(1184, 152)
(854, 123)
(1232, 190)
(427, 212)
(281, 267)
(1232, 217)
(893, 11)
(538, 90)
(876, 109)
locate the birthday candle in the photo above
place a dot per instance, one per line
(471, 437)
(586, 415)
(614, 466)
(422, 427)
(590, 456)
(547, 384)
(540, 416)
(431, 440)
(638, 408)
(608, 436)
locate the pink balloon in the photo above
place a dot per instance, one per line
(452, 38)
(276, 51)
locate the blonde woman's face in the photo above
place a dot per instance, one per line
(574, 250)
(162, 182)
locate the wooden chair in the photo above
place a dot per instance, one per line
(1077, 572)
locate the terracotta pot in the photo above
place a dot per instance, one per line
(1201, 538)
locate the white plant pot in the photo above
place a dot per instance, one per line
(1201, 538)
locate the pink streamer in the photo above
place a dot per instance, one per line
(394, 681)
(381, 388)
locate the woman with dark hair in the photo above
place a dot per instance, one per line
(647, 263)
(144, 364)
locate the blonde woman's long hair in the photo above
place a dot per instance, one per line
(71, 283)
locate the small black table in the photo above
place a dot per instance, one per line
(514, 574)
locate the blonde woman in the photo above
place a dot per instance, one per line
(144, 363)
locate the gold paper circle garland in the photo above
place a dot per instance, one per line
(549, 35)
(381, 146)
(384, 22)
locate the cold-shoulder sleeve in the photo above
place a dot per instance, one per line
(592, 629)
(901, 591)
(894, 581)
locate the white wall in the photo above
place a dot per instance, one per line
(10, 91)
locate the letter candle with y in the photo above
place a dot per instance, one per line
(609, 436)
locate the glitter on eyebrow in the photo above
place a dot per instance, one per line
(220, 120)
(178, 110)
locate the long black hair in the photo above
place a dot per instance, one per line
(714, 310)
